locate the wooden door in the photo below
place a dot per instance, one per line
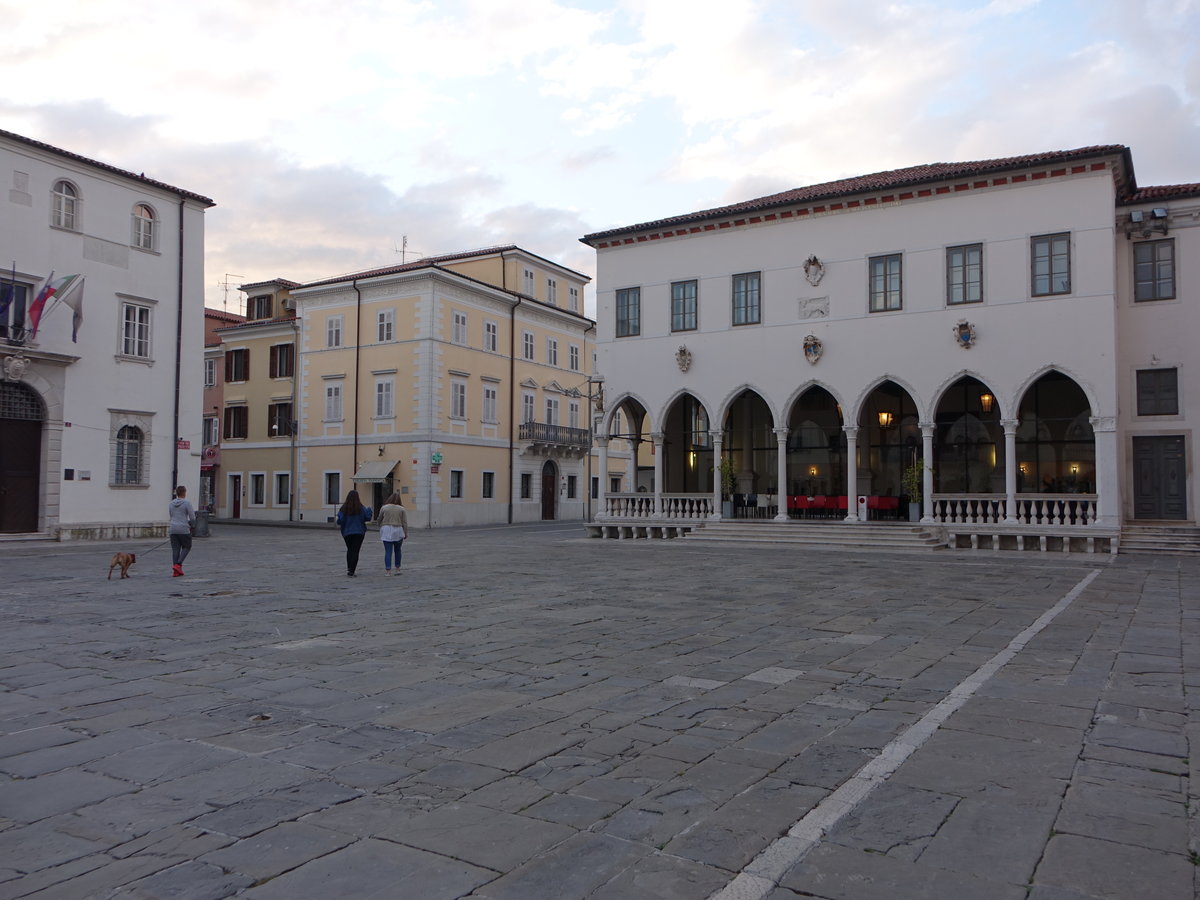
(1159, 477)
(235, 495)
(20, 465)
(549, 490)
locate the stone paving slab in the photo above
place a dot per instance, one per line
(529, 714)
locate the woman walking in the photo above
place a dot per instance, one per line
(393, 528)
(183, 521)
(352, 519)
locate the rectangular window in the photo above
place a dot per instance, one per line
(526, 486)
(1154, 270)
(135, 334)
(283, 361)
(456, 484)
(573, 298)
(572, 488)
(489, 403)
(614, 484)
(746, 310)
(12, 319)
(490, 332)
(259, 307)
(1051, 264)
(385, 326)
(460, 328)
(258, 489)
(1158, 392)
(885, 282)
(237, 364)
(551, 410)
(333, 402)
(551, 351)
(964, 274)
(333, 488)
(333, 331)
(683, 306)
(527, 345)
(573, 414)
(529, 282)
(458, 400)
(279, 419)
(629, 312)
(551, 291)
(488, 488)
(283, 489)
(383, 399)
(573, 357)
(210, 373)
(212, 431)
(527, 402)
(595, 487)
(237, 422)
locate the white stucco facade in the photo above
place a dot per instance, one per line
(92, 426)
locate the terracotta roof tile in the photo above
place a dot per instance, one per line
(1161, 192)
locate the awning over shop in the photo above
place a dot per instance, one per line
(374, 471)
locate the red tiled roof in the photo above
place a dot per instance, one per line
(1161, 192)
(281, 282)
(888, 180)
(422, 263)
(222, 315)
(106, 167)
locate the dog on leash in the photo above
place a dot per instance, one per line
(124, 560)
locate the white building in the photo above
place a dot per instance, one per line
(1012, 330)
(90, 426)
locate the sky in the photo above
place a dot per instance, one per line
(341, 135)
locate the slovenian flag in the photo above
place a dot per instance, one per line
(55, 288)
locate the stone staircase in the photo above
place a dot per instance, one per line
(834, 535)
(1167, 540)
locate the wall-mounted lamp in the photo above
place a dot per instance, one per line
(885, 419)
(1145, 224)
(1024, 467)
(1074, 468)
(381, 449)
(691, 459)
(985, 401)
(812, 471)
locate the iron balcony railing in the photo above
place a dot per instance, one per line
(559, 435)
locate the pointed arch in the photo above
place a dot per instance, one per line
(1003, 404)
(856, 413)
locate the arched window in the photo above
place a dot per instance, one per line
(129, 456)
(144, 227)
(65, 213)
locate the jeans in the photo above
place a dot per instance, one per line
(353, 545)
(181, 546)
(390, 547)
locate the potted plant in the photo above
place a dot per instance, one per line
(912, 484)
(728, 483)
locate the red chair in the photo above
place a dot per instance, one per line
(818, 503)
(842, 505)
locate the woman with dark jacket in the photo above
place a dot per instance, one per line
(352, 519)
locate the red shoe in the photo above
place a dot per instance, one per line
(176, 571)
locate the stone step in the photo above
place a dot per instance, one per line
(859, 536)
(1165, 540)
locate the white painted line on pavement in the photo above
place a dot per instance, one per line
(766, 870)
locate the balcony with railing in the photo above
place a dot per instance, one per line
(554, 437)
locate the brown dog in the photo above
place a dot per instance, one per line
(124, 560)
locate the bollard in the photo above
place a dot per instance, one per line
(201, 523)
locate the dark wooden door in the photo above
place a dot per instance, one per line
(235, 495)
(20, 464)
(549, 490)
(1159, 477)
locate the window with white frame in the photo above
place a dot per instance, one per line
(1050, 259)
(491, 332)
(145, 227)
(237, 364)
(460, 328)
(573, 357)
(210, 373)
(1154, 270)
(573, 298)
(614, 484)
(573, 414)
(552, 291)
(488, 486)
(456, 484)
(527, 406)
(527, 345)
(333, 488)
(64, 210)
(258, 489)
(135, 330)
(526, 486)
(384, 408)
(595, 487)
(551, 410)
(747, 308)
(629, 312)
(127, 467)
(333, 402)
(212, 431)
(964, 274)
(283, 488)
(529, 282)
(684, 306)
(279, 419)
(260, 307)
(385, 325)
(282, 361)
(572, 486)
(458, 399)
(885, 283)
(237, 423)
(333, 331)
(552, 351)
(489, 403)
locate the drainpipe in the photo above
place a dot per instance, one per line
(512, 401)
(178, 355)
(357, 351)
(294, 419)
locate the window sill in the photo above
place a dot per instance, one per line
(140, 360)
(128, 487)
(153, 251)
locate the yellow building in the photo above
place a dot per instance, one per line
(461, 381)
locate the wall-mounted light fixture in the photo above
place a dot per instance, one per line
(812, 471)
(885, 419)
(1144, 224)
(1074, 468)
(985, 401)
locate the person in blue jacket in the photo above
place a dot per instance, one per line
(352, 519)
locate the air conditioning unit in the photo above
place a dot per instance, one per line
(289, 303)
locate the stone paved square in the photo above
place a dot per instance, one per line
(530, 714)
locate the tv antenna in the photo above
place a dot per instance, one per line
(225, 286)
(402, 249)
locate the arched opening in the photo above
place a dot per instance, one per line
(751, 447)
(628, 425)
(687, 448)
(816, 447)
(1056, 448)
(22, 417)
(889, 440)
(968, 448)
(549, 490)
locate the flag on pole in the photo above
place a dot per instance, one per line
(73, 297)
(50, 289)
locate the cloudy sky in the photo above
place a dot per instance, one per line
(328, 130)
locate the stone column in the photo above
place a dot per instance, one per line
(601, 502)
(717, 439)
(851, 472)
(927, 430)
(1010, 471)
(657, 437)
(1108, 476)
(781, 491)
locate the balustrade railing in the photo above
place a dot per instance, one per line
(1030, 509)
(561, 435)
(675, 506)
